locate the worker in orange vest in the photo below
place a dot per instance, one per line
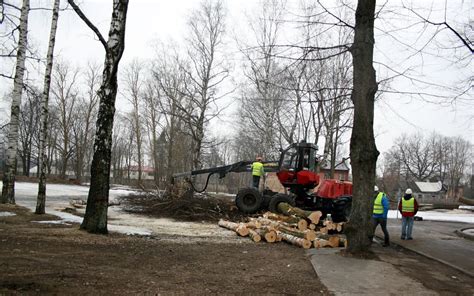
(408, 206)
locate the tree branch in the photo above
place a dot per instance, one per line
(88, 23)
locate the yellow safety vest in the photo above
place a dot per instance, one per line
(257, 169)
(408, 205)
(378, 207)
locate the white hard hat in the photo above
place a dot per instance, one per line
(408, 191)
(376, 188)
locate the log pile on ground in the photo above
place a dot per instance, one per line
(295, 226)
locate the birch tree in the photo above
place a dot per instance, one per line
(8, 190)
(41, 199)
(95, 218)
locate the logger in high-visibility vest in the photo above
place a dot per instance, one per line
(380, 213)
(257, 171)
(408, 206)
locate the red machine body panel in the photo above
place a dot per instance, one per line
(333, 189)
(306, 179)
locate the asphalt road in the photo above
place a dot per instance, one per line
(438, 241)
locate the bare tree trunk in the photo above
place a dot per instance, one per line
(363, 150)
(41, 199)
(133, 81)
(95, 218)
(8, 190)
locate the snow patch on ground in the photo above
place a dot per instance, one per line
(439, 215)
(62, 222)
(7, 214)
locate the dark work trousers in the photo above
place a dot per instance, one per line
(383, 224)
(256, 181)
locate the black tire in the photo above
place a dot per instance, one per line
(341, 209)
(267, 196)
(248, 200)
(278, 198)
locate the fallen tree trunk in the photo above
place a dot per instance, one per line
(332, 240)
(287, 209)
(466, 201)
(240, 228)
(301, 242)
(320, 243)
(287, 228)
(253, 224)
(301, 223)
(306, 234)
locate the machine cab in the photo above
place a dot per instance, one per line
(298, 165)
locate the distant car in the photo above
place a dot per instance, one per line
(418, 218)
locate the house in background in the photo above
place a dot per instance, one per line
(341, 171)
(429, 192)
(147, 172)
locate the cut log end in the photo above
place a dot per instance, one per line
(315, 216)
(270, 236)
(254, 235)
(242, 230)
(302, 224)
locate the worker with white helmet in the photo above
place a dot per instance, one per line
(380, 213)
(408, 206)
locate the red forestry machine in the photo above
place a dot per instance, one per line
(296, 171)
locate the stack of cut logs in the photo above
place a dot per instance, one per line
(296, 226)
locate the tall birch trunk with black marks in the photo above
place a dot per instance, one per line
(41, 199)
(363, 150)
(95, 218)
(8, 190)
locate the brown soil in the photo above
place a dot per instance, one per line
(60, 259)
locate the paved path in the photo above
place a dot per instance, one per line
(437, 240)
(351, 276)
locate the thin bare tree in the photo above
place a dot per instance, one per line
(28, 131)
(65, 95)
(83, 127)
(8, 190)
(261, 100)
(208, 70)
(133, 84)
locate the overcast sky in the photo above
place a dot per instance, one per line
(395, 114)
